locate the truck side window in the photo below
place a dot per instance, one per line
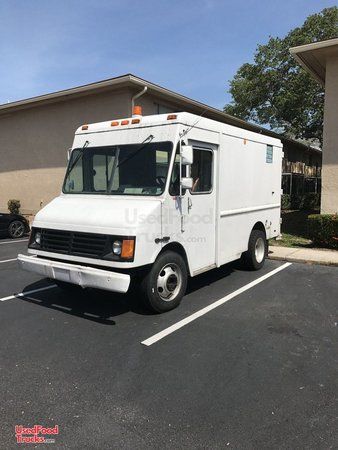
(201, 171)
(174, 187)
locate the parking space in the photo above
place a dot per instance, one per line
(11, 279)
(9, 248)
(258, 369)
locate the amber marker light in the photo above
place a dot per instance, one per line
(136, 121)
(172, 117)
(128, 246)
(84, 127)
(114, 123)
(137, 110)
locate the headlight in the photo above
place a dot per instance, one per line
(37, 238)
(117, 247)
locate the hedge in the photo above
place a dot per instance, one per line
(323, 230)
(309, 201)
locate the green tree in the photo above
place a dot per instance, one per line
(275, 90)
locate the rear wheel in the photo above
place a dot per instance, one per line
(16, 229)
(254, 257)
(166, 282)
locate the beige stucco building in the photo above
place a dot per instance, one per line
(36, 133)
(321, 61)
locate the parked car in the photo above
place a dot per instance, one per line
(13, 225)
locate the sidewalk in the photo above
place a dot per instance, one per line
(304, 255)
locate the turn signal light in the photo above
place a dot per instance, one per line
(114, 124)
(172, 117)
(128, 246)
(84, 127)
(136, 121)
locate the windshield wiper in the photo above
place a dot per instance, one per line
(115, 166)
(145, 142)
(71, 166)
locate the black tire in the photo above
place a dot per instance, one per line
(16, 229)
(173, 279)
(254, 259)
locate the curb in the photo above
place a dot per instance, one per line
(303, 261)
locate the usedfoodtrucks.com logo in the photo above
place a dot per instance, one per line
(35, 435)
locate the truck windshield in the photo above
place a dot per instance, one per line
(137, 169)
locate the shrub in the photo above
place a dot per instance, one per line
(14, 206)
(323, 230)
(310, 201)
(286, 201)
(296, 201)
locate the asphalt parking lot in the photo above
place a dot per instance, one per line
(259, 371)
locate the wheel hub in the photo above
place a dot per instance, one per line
(260, 250)
(17, 229)
(169, 282)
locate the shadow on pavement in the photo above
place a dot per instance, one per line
(101, 306)
(207, 278)
(91, 304)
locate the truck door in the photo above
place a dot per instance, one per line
(200, 219)
(190, 219)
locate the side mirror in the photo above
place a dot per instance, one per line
(187, 155)
(69, 153)
(186, 182)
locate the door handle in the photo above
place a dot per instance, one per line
(189, 204)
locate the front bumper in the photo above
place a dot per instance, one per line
(83, 276)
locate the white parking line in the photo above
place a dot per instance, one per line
(14, 242)
(23, 294)
(176, 326)
(8, 260)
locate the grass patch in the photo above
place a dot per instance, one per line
(294, 230)
(290, 240)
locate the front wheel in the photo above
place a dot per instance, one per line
(166, 282)
(254, 257)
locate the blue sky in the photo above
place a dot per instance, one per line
(192, 47)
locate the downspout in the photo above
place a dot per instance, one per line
(138, 95)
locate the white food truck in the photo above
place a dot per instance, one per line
(153, 200)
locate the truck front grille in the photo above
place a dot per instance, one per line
(74, 243)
